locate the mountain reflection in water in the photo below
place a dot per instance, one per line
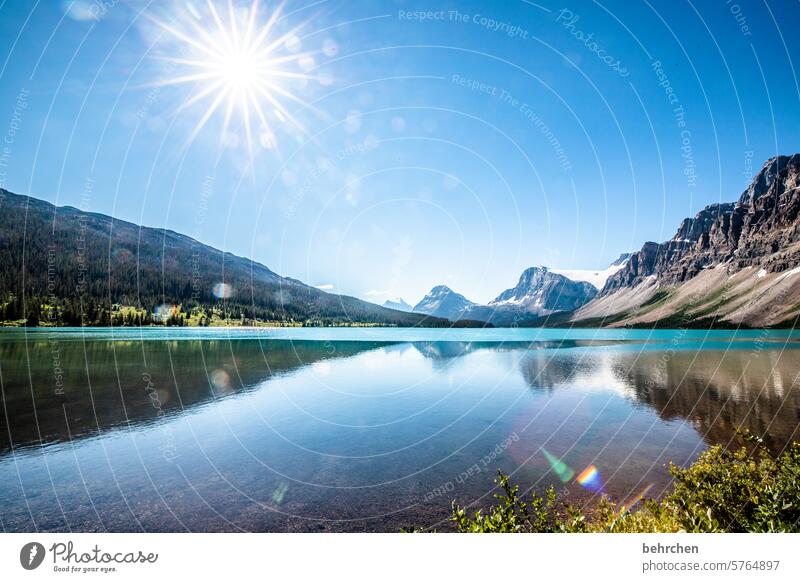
(352, 435)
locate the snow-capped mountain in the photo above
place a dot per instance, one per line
(444, 302)
(596, 278)
(398, 304)
(540, 291)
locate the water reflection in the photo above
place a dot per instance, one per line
(718, 392)
(307, 435)
(106, 384)
(96, 385)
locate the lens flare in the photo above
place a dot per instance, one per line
(590, 479)
(638, 497)
(560, 468)
(222, 291)
(164, 311)
(280, 491)
(220, 380)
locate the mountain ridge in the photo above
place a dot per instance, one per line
(69, 266)
(538, 291)
(733, 263)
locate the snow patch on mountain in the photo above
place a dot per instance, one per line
(596, 278)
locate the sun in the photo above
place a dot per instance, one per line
(236, 65)
(239, 70)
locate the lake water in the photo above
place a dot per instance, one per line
(350, 429)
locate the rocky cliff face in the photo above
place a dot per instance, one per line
(540, 291)
(759, 230)
(732, 264)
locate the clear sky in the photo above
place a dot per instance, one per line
(386, 150)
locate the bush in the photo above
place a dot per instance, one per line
(738, 492)
(747, 490)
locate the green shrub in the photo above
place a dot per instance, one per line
(747, 490)
(541, 515)
(738, 492)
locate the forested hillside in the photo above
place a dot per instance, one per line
(62, 266)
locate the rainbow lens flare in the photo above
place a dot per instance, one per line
(560, 468)
(222, 291)
(590, 479)
(638, 498)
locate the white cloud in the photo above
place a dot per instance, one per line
(325, 287)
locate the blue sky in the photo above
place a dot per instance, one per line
(459, 145)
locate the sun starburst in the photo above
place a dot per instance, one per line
(235, 62)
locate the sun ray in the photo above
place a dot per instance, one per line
(220, 25)
(234, 61)
(246, 108)
(178, 34)
(290, 96)
(206, 116)
(199, 96)
(187, 79)
(251, 20)
(217, 47)
(228, 114)
(289, 118)
(278, 41)
(267, 27)
(234, 31)
(289, 58)
(290, 75)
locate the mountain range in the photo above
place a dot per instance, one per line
(538, 292)
(733, 264)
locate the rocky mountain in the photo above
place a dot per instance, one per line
(732, 264)
(398, 304)
(680, 258)
(621, 261)
(540, 291)
(442, 301)
(74, 267)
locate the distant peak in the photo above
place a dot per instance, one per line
(442, 301)
(397, 303)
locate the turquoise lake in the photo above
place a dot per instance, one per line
(363, 429)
